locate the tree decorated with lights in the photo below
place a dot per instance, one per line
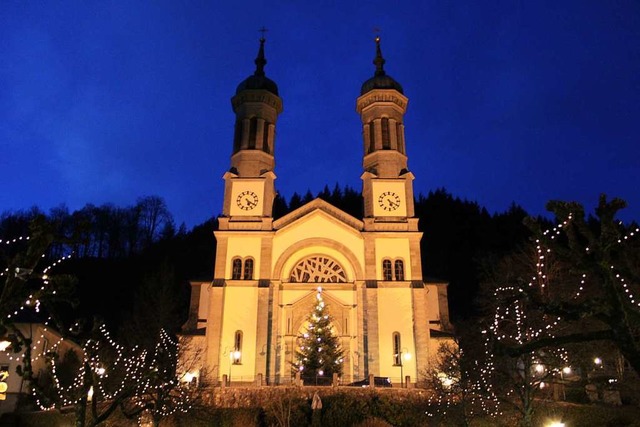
(586, 272)
(579, 282)
(140, 383)
(103, 376)
(319, 353)
(457, 391)
(519, 380)
(30, 286)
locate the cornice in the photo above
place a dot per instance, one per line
(262, 96)
(381, 95)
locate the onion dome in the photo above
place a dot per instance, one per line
(258, 81)
(380, 80)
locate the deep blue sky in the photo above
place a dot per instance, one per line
(521, 101)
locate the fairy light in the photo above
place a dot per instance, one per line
(33, 300)
(138, 370)
(510, 322)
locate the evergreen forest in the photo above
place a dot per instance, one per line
(131, 260)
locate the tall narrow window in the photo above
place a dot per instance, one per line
(248, 269)
(253, 130)
(372, 138)
(386, 140)
(265, 138)
(236, 270)
(237, 348)
(386, 270)
(397, 357)
(400, 137)
(237, 136)
(399, 267)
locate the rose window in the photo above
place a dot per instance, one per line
(318, 269)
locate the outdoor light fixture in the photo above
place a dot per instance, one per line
(597, 361)
(234, 359)
(4, 344)
(539, 368)
(556, 424)
(404, 354)
(566, 370)
(446, 380)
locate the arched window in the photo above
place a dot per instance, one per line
(253, 130)
(372, 138)
(248, 269)
(237, 348)
(387, 274)
(397, 346)
(237, 136)
(399, 269)
(236, 270)
(400, 137)
(265, 138)
(386, 140)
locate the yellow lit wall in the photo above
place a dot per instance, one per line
(395, 315)
(240, 313)
(393, 248)
(319, 225)
(243, 246)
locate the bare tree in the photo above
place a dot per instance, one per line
(596, 288)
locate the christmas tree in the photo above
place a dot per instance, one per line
(319, 355)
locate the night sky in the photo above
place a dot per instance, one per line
(523, 101)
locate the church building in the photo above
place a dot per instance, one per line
(267, 271)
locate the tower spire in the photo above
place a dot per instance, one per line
(260, 59)
(379, 61)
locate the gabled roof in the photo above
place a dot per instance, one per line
(321, 205)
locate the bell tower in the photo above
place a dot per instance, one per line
(387, 182)
(249, 184)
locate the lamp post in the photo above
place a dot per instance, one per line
(563, 371)
(404, 354)
(234, 357)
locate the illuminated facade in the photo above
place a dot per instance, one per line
(267, 271)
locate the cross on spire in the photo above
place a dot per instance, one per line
(260, 60)
(262, 31)
(379, 60)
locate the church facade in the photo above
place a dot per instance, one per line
(267, 271)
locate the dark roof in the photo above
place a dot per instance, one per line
(380, 80)
(259, 81)
(440, 334)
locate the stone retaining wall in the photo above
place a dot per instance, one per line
(252, 397)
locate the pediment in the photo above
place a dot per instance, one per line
(315, 207)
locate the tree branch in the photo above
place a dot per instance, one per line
(555, 342)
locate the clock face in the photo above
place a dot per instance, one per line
(247, 200)
(389, 201)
